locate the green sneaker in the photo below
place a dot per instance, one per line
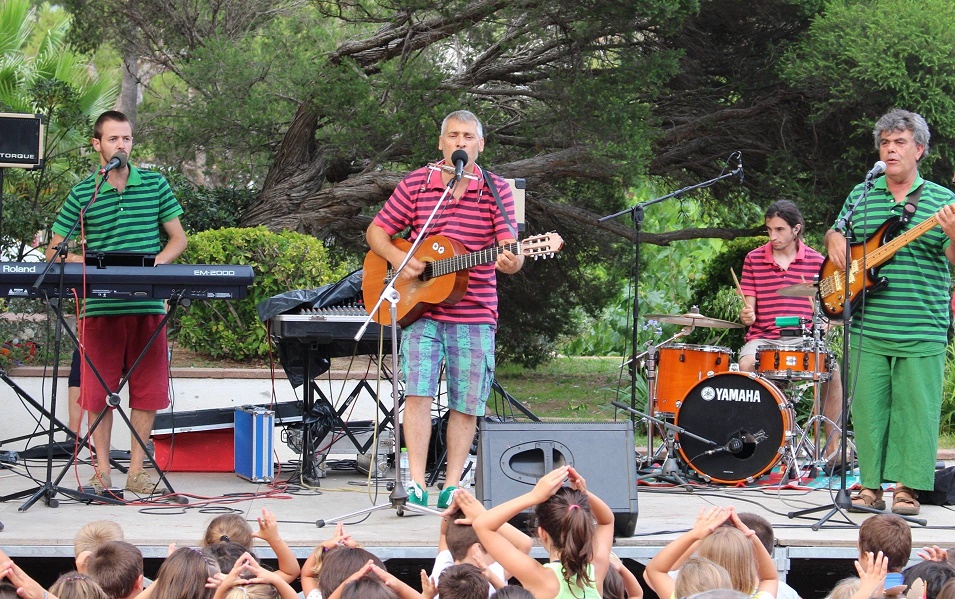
(445, 497)
(417, 495)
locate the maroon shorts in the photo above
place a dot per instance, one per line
(113, 343)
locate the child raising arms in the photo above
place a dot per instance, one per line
(574, 526)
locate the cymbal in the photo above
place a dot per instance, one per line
(694, 319)
(799, 290)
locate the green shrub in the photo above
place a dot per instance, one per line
(281, 262)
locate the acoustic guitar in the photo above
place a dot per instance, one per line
(445, 277)
(878, 249)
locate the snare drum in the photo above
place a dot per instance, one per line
(792, 363)
(680, 366)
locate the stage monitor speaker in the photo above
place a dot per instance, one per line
(513, 456)
(21, 140)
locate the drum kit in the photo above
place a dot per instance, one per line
(730, 427)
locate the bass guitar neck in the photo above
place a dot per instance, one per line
(864, 261)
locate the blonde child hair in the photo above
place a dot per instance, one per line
(730, 548)
(253, 591)
(228, 528)
(74, 585)
(845, 588)
(93, 534)
(698, 574)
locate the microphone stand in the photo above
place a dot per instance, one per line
(49, 489)
(636, 212)
(398, 499)
(842, 501)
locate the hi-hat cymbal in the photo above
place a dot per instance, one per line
(799, 290)
(694, 319)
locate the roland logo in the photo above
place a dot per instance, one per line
(14, 267)
(213, 272)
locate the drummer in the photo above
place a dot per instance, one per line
(786, 260)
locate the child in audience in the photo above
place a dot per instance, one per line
(735, 548)
(248, 580)
(459, 544)
(513, 591)
(462, 581)
(933, 574)
(764, 532)
(574, 526)
(699, 574)
(891, 535)
(340, 564)
(234, 528)
(74, 585)
(186, 574)
(620, 583)
(845, 588)
(367, 587)
(371, 569)
(313, 564)
(90, 536)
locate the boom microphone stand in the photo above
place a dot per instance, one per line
(842, 501)
(48, 490)
(636, 212)
(399, 496)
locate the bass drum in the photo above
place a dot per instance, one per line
(745, 415)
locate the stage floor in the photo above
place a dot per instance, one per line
(664, 512)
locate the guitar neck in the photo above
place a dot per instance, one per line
(885, 252)
(460, 262)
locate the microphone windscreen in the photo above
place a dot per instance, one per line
(459, 156)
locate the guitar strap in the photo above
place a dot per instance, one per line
(911, 205)
(500, 204)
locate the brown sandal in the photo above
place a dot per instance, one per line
(867, 498)
(904, 502)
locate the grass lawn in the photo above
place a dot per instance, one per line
(569, 388)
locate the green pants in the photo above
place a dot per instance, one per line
(895, 414)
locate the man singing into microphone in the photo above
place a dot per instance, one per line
(127, 215)
(899, 335)
(461, 335)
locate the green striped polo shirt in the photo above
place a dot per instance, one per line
(915, 304)
(128, 221)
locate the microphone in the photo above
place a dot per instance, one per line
(459, 158)
(117, 161)
(740, 167)
(877, 170)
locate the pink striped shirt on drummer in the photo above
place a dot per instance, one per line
(762, 277)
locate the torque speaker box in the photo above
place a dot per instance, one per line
(512, 456)
(21, 140)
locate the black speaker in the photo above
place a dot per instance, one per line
(21, 140)
(513, 456)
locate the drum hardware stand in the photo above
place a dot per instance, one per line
(842, 500)
(668, 470)
(398, 498)
(651, 355)
(636, 213)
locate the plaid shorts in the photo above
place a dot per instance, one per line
(468, 353)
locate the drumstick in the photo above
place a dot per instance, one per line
(739, 289)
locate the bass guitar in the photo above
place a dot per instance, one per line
(445, 277)
(878, 249)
